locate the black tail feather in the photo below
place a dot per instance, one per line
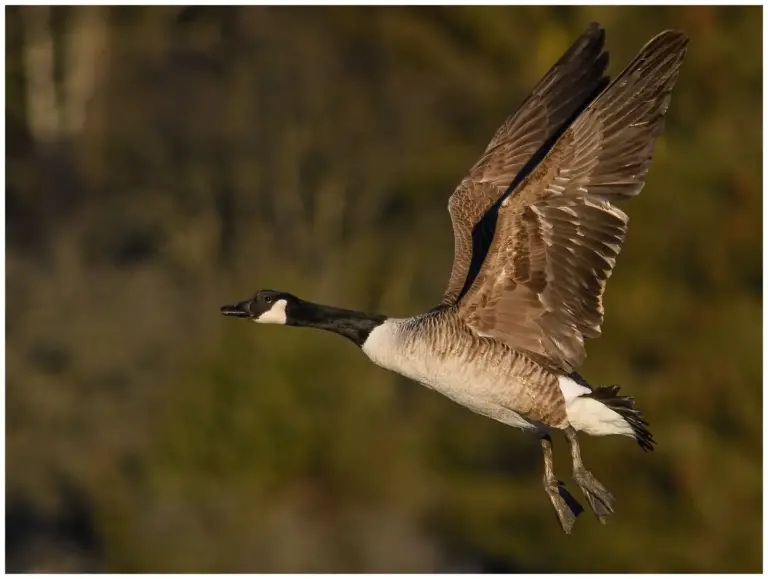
(625, 406)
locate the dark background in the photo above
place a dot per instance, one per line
(164, 161)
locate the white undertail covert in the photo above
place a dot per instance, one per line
(590, 415)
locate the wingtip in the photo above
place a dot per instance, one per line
(658, 62)
(673, 38)
(592, 39)
(673, 33)
(595, 27)
(595, 32)
(589, 47)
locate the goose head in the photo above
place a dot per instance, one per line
(266, 307)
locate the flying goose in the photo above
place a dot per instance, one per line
(537, 233)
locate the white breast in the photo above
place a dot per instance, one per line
(479, 389)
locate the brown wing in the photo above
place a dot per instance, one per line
(566, 89)
(558, 236)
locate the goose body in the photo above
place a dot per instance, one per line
(537, 233)
(488, 377)
(483, 374)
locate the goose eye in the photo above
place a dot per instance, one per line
(268, 299)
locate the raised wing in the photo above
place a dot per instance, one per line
(564, 91)
(558, 236)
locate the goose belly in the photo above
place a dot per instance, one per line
(484, 386)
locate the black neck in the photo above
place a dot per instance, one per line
(348, 323)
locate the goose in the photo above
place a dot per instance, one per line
(537, 233)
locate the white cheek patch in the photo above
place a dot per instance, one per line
(274, 315)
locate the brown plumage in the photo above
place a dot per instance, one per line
(568, 86)
(557, 234)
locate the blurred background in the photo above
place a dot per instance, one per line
(163, 161)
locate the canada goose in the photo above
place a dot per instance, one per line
(536, 238)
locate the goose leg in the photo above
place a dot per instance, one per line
(566, 507)
(598, 496)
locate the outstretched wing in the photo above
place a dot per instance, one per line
(565, 90)
(558, 236)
